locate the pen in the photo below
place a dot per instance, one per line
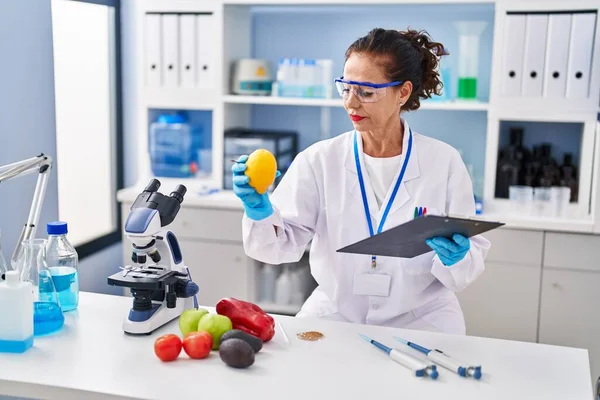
(441, 358)
(416, 212)
(418, 367)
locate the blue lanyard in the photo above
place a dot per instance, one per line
(364, 194)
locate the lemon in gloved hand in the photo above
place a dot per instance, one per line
(257, 205)
(261, 170)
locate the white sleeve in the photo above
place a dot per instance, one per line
(283, 237)
(460, 201)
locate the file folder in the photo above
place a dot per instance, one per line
(187, 39)
(514, 49)
(205, 49)
(580, 55)
(153, 50)
(408, 240)
(557, 55)
(170, 52)
(535, 54)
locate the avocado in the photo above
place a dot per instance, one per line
(253, 341)
(236, 353)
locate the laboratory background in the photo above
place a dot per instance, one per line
(100, 97)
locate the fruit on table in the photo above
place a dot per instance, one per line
(168, 347)
(247, 317)
(216, 325)
(261, 169)
(236, 353)
(253, 341)
(188, 320)
(197, 345)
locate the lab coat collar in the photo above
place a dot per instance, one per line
(403, 195)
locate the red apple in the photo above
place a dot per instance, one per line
(198, 345)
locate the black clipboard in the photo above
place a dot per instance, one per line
(408, 240)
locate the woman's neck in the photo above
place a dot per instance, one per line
(384, 143)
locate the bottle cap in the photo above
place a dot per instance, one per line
(11, 277)
(57, 228)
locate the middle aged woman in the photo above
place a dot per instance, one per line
(341, 190)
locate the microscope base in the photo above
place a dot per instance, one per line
(160, 317)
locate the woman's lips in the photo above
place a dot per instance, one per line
(356, 118)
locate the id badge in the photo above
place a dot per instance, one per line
(373, 284)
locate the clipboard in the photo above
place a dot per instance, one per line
(408, 240)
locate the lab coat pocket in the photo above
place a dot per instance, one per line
(418, 265)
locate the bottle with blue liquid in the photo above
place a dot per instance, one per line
(62, 261)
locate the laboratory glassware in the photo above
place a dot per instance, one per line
(62, 260)
(47, 315)
(468, 61)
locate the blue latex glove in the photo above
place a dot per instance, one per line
(257, 206)
(450, 251)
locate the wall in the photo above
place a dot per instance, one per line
(27, 121)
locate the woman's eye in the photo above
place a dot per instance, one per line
(367, 94)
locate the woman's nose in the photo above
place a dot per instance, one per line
(352, 100)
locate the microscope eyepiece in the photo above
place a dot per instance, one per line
(179, 193)
(153, 186)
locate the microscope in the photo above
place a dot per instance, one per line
(160, 283)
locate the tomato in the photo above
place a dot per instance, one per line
(198, 344)
(168, 347)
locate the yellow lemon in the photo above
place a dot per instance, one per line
(261, 168)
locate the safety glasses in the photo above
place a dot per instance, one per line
(365, 92)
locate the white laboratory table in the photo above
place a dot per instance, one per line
(92, 358)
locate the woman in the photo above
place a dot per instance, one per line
(336, 193)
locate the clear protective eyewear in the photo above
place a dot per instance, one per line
(365, 92)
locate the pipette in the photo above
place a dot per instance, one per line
(418, 367)
(441, 358)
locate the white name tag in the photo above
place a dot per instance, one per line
(372, 284)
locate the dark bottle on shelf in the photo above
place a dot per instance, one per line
(568, 176)
(507, 173)
(511, 163)
(533, 168)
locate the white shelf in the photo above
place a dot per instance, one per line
(456, 105)
(273, 308)
(180, 98)
(542, 223)
(350, 2)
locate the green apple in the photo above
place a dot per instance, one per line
(188, 320)
(216, 325)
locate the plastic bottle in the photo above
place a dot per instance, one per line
(62, 260)
(16, 314)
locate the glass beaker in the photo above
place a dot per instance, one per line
(47, 315)
(468, 57)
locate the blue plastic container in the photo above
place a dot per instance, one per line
(173, 145)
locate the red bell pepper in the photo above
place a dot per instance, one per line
(247, 317)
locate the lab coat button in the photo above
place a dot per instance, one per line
(375, 306)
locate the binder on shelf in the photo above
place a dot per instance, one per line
(513, 55)
(153, 50)
(535, 51)
(557, 55)
(187, 38)
(170, 50)
(205, 49)
(580, 55)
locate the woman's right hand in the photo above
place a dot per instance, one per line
(257, 206)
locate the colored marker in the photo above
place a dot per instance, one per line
(441, 358)
(418, 367)
(416, 212)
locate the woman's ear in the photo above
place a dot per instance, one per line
(405, 92)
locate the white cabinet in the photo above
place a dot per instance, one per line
(569, 312)
(503, 302)
(219, 269)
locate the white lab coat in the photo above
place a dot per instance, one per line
(319, 199)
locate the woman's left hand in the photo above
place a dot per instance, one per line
(450, 251)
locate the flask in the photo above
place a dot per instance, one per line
(47, 314)
(16, 314)
(62, 260)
